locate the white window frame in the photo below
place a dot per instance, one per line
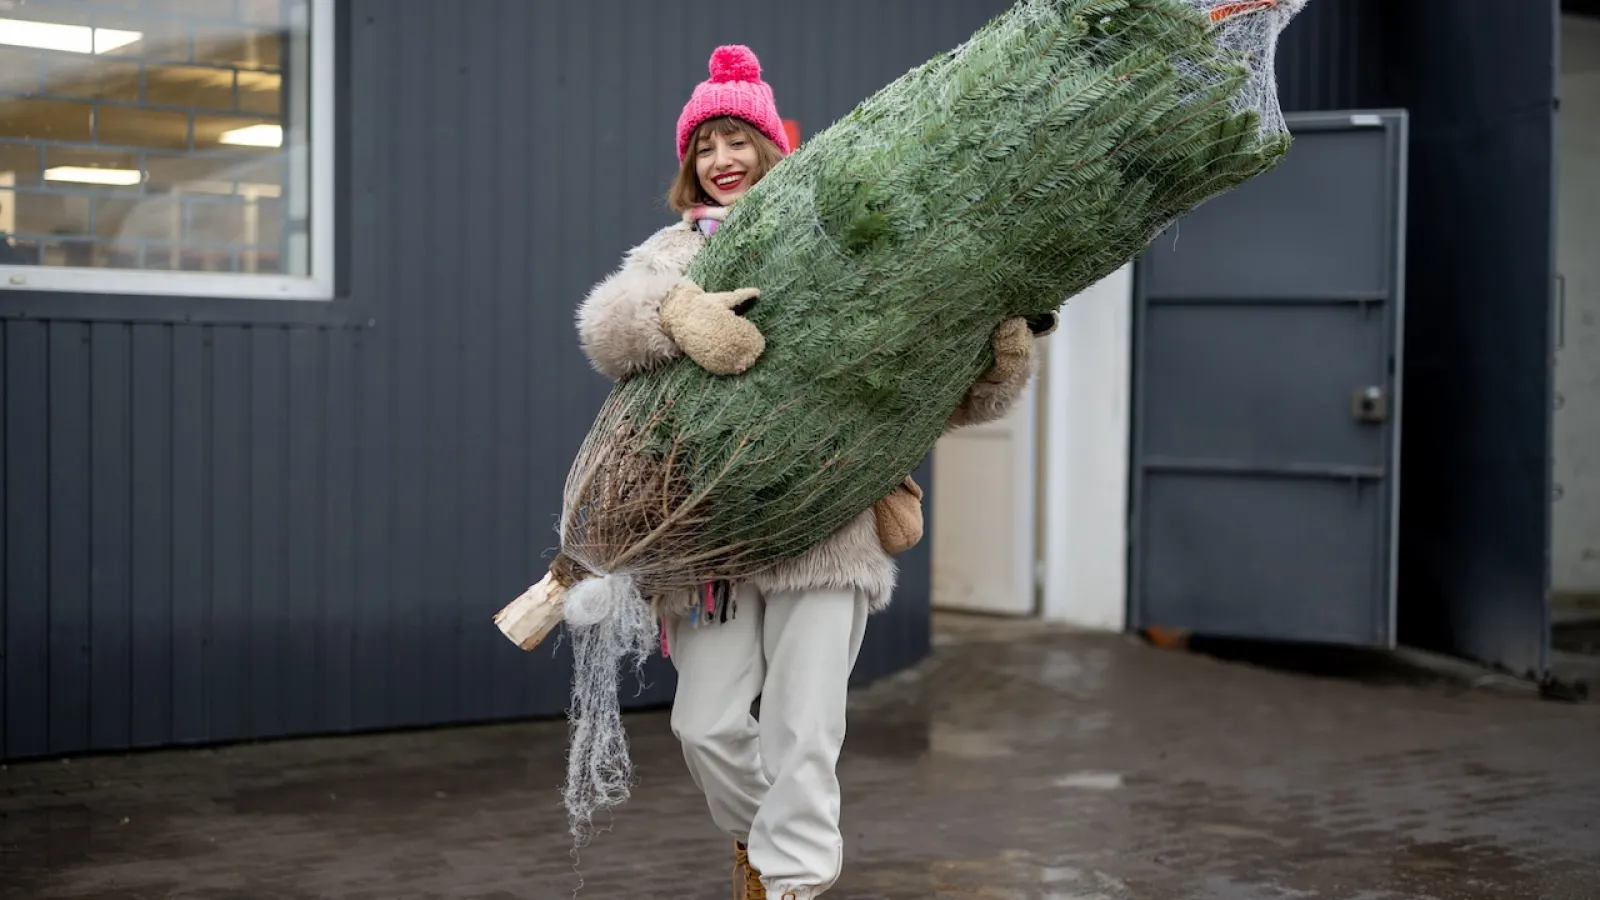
(317, 286)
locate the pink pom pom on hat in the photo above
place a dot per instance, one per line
(735, 88)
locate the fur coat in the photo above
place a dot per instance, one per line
(619, 328)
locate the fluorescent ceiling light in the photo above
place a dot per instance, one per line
(89, 175)
(254, 136)
(66, 38)
(229, 188)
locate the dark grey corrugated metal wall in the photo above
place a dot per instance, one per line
(181, 529)
(1332, 56)
(1480, 78)
(237, 530)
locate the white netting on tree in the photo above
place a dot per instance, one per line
(995, 181)
(1249, 29)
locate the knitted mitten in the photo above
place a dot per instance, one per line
(709, 329)
(1013, 353)
(899, 517)
(1003, 382)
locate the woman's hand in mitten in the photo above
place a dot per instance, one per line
(710, 327)
(994, 393)
(1013, 352)
(899, 517)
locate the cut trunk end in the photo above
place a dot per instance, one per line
(527, 620)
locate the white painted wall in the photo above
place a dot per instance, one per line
(1085, 380)
(1575, 516)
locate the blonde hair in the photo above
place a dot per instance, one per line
(686, 192)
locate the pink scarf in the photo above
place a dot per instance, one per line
(706, 219)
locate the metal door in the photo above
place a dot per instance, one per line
(1267, 397)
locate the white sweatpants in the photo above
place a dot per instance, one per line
(771, 784)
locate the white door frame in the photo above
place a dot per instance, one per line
(1025, 490)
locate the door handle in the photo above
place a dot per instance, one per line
(1369, 404)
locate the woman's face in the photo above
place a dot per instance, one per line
(724, 164)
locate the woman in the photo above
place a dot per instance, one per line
(797, 627)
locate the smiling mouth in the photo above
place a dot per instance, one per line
(729, 182)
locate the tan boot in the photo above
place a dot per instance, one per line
(746, 878)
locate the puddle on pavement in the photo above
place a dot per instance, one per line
(1013, 875)
(1090, 781)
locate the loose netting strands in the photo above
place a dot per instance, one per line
(996, 180)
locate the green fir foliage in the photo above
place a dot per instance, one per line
(996, 180)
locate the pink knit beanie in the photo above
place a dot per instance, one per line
(735, 88)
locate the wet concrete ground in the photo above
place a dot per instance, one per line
(1016, 764)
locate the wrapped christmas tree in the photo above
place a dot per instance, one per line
(995, 181)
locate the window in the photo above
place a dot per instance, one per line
(178, 147)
